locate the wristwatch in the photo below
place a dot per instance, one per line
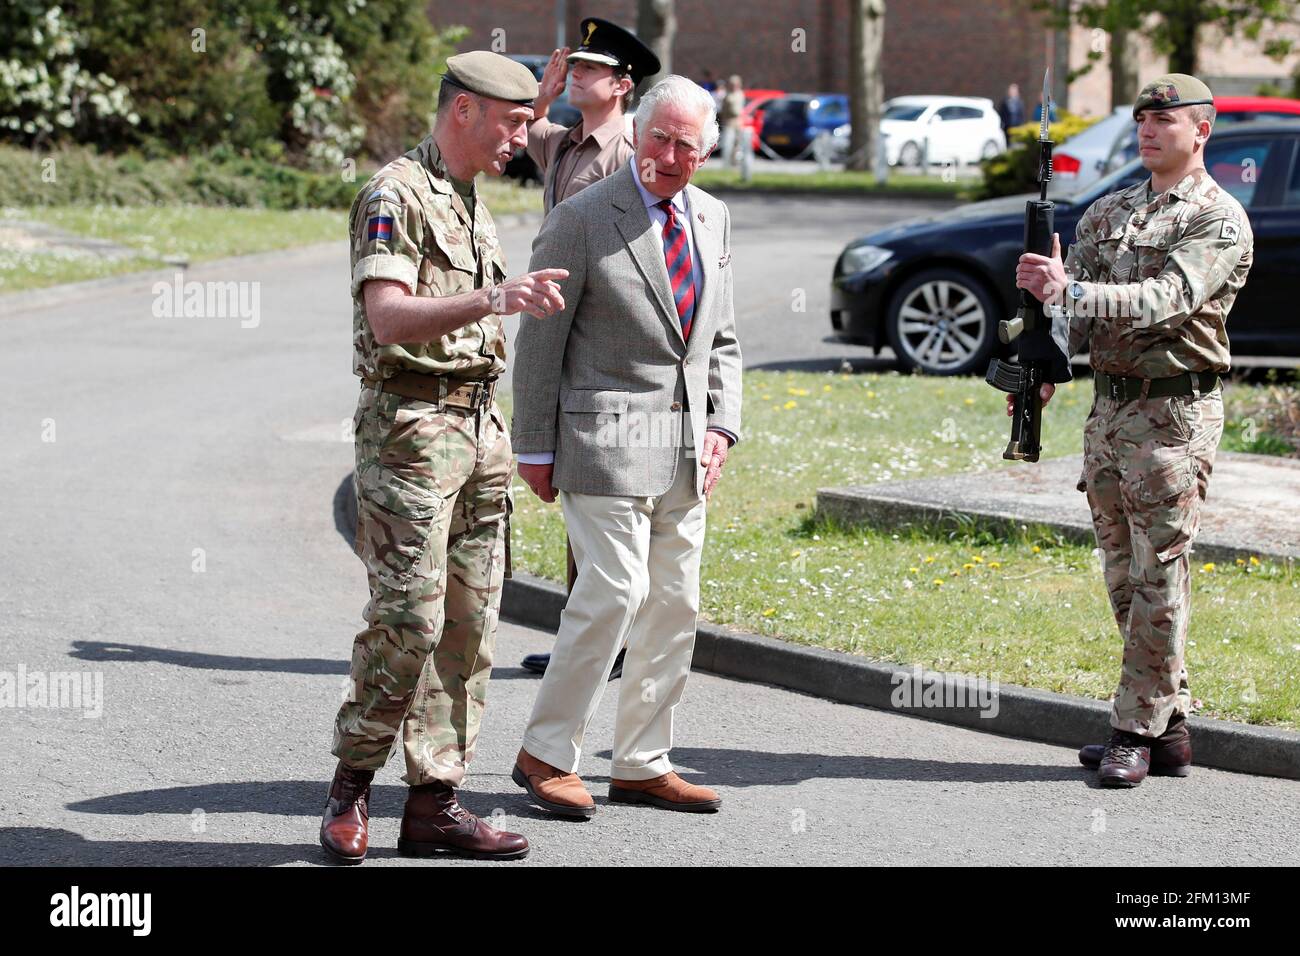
(1073, 293)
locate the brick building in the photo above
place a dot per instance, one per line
(960, 47)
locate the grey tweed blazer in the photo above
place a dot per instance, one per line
(609, 385)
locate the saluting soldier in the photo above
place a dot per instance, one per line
(1148, 285)
(601, 75)
(433, 462)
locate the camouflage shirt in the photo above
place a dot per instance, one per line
(409, 225)
(1158, 275)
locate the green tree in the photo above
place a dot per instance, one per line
(1174, 26)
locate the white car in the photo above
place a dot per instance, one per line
(942, 129)
(1081, 160)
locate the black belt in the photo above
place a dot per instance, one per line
(1124, 388)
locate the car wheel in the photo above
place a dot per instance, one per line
(942, 322)
(909, 155)
(990, 150)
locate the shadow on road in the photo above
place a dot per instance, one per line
(44, 846)
(755, 768)
(141, 653)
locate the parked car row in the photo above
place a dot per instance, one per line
(934, 288)
(915, 129)
(1111, 142)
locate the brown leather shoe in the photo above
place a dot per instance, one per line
(1171, 752)
(1126, 760)
(552, 789)
(668, 792)
(344, 830)
(434, 822)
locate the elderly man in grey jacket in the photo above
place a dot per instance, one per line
(627, 402)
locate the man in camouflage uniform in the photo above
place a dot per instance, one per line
(1148, 285)
(433, 463)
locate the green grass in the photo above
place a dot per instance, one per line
(1030, 611)
(832, 182)
(195, 233)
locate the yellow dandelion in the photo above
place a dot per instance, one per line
(914, 570)
(1241, 562)
(1037, 549)
(790, 404)
(795, 554)
(968, 566)
(995, 564)
(769, 612)
(969, 401)
(870, 394)
(929, 559)
(938, 582)
(826, 388)
(1254, 561)
(978, 558)
(1208, 567)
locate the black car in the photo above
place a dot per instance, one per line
(521, 165)
(934, 289)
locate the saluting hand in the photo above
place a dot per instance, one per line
(552, 82)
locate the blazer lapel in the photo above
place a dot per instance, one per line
(707, 231)
(646, 250)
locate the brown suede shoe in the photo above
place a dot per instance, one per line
(668, 792)
(552, 789)
(1171, 752)
(434, 823)
(344, 830)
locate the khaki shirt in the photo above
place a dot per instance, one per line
(1159, 274)
(586, 159)
(409, 225)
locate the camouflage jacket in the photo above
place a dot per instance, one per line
(409, 225)
(1158, 276)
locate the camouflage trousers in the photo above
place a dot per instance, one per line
(433, 527)
(1146, 468)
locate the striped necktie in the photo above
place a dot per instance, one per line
(677, 255)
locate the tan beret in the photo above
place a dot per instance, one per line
(1172, 91)
(491, 74)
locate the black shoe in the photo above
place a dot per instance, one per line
(537, 664)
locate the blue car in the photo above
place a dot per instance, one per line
(791, 123)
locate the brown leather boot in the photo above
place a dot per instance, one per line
(1171, 752)
(434, 823)
(552, 788)
(668, 792)
(344, 830)
(1126, 760)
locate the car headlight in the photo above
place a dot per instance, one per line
(865, 258)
